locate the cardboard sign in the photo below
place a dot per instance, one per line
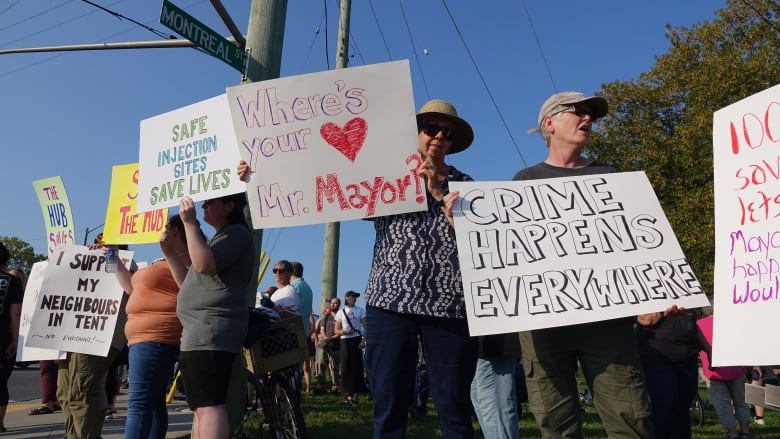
(745, 141)
(56, 212)
(560, 251)
(76, 309)
(188, 152)
(31, 293)
(124, 225)
(329, 146)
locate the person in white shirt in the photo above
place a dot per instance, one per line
(350, 325)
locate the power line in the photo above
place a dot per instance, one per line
(484, 84)
(379, 28)
(137, 23)
(33, 16)
(539, 45)
(416, 58)
(9, 7)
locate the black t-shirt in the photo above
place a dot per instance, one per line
(11, 292)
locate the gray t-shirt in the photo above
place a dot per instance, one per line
(212, 309)
(543, 170)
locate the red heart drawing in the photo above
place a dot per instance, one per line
(347, 140)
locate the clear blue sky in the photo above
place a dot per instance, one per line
(77, 114)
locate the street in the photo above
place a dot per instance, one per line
(25, 384)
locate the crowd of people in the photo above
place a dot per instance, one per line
(187, 308)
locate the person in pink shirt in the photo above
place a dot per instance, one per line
(727, 387)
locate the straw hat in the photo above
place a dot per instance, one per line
(464, 135)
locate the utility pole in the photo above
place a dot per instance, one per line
(264, 38)
(330, 253)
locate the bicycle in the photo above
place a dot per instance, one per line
(698, 406)
(278, 401)
(273, 369)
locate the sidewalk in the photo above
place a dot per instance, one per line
(23, 426)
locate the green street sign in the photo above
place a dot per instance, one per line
(190, 28)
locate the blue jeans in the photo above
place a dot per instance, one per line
(672, 387)
(494, 399)
(391, 360)
(151, 366)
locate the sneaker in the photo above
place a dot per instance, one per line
(760, 421)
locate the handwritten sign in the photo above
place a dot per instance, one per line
(559, 251)
(745, 141)
(123, 224)
(31, 293)
(56, 212)
(329, 146)
(190, 151)
(77, 306)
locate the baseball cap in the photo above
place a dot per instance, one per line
(553, 104)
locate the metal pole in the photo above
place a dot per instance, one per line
(330, 254)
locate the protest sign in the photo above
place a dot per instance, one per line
(124, 225)
(56, 212)
(31, 292)
(329, 146)
(190, 152)
(560, 251)
(78, 303)
(745, 140)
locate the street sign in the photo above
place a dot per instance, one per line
(190, 28)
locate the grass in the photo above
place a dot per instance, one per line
(328, 418)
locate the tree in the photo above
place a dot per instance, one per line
(661, 123)
(22, 254)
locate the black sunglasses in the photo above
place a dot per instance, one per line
(432, 129)
(279, 270)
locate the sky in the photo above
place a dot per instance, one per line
(77, 114)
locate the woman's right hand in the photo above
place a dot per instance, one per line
(242, 170)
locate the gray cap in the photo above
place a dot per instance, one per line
(553, 104)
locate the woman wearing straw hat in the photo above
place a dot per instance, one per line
(415, 289)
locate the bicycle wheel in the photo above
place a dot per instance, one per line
(697, 411)
(286, 417)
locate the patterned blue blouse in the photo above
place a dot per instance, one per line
(415, 268)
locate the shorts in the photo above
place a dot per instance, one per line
(206, 376)
(312, 348)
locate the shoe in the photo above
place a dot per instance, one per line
(42, 410)
(745, 436)
(760, 421)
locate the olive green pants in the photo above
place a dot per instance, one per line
(607, 353)
(82, 394)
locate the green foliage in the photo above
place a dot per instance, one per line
(661, 123)
(22, 254)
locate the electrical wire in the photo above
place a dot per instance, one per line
(484, 84)
(9, 7)
(137, 23)
(311, 46)
(416, 58)
(539, 45)
(327, 56)
(379, 28)
(34, 15)
(761, 16)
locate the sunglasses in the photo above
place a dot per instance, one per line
(431, 129)
(279, 270)
(576, 110)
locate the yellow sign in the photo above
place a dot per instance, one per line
(56, 212)
(123, 224)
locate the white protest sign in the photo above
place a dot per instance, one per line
(329, 146)
(77, 307)
(31, 293)
(745, 141)
(190, 152)
(560, 251)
